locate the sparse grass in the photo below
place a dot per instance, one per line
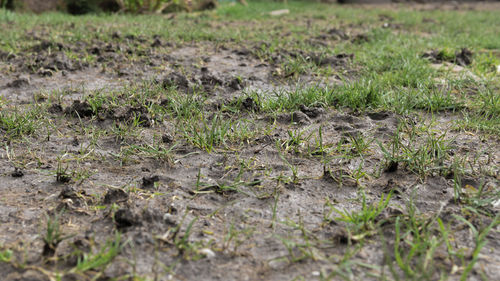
(102, 258)
(363, 222)
(408, 120)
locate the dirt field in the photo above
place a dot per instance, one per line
(329, 143)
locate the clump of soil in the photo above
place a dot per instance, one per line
(463, 57)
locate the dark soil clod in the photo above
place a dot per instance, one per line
(18, 173)
(338, 34)
(312, 112)
(115, 195)
(463, 57)
(300, 118)
(80, 109)
(250, 105)
(68, 192)
(236, 83)
(175, 80)
(149, 182)
(55, 108)
(125, 218)
(392, 167)
(19, 83)
(378, 115)
(167, 138)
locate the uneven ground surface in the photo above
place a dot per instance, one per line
(330, 143)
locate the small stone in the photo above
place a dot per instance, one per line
(279, 12)
(169, 219)
(208, 253)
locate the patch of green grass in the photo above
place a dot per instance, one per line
(102, 258)
(363, 222)
(19, 124)
(425, 156)
(53, 235)
(6, 255)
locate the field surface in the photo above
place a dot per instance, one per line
(331, 142)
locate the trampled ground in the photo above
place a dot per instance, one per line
(329, 143)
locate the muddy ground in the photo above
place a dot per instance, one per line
(258, 205)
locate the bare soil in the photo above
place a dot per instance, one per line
(145, 198)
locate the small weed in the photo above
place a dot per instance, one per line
(363, 223)
(6, 255)
(102, 258)
(53, 235)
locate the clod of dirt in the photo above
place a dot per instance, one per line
(338, 34)
(336, 60)
(236, 83)
(116, 35)
(249, 104)
(300, 118)
(157, 42)
(45, 45)
(141, 114)
(243, 52)
(115, 195)
(463, 57)
(311, 112)
(208, 80)
(167, 138)
(45, 72)
(149, 182)
(68, 192)
(361, 38)
(19, 83)
(175, 80)
(125, 218)
(170, 219)
(377, 116)
(58, 61)
(55, 108)
(18, 173)
(80, 109)
(391, 167)
(130, 37)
